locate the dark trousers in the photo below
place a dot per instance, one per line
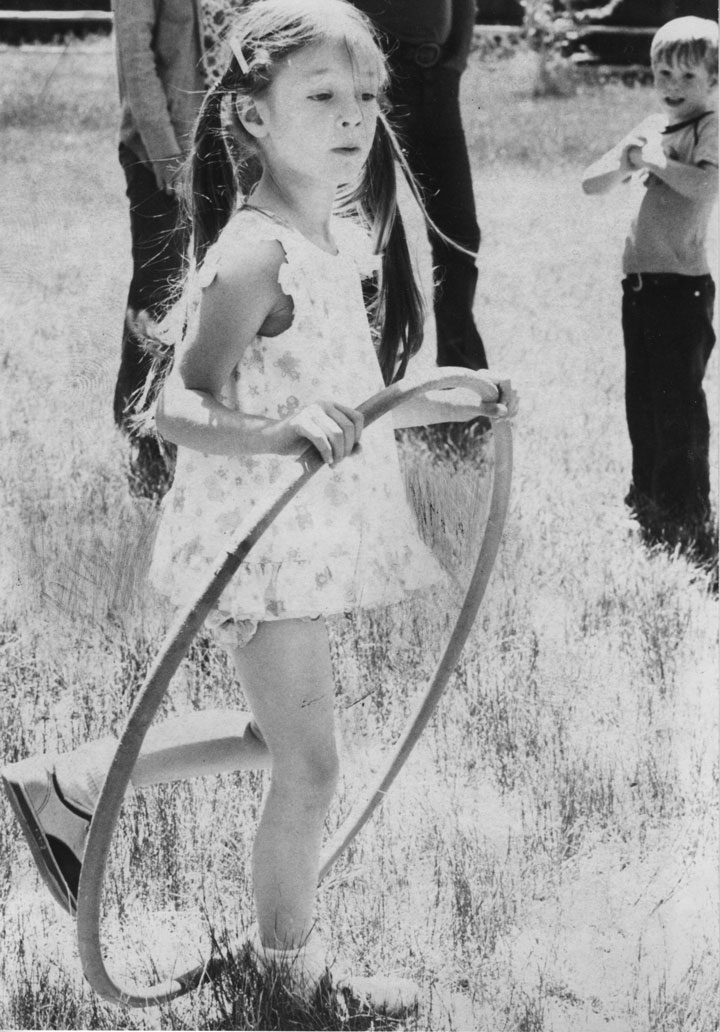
(426, 114)
(669, 336)
(157, 255)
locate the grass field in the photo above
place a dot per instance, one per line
(547, 862)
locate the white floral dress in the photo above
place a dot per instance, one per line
(348, 539)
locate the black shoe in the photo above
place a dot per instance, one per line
(55, 831)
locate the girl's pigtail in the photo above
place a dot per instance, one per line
(398, 312)
(212, 180)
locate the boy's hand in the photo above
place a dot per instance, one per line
(631, 156)
(653, 154)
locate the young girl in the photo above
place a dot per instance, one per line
(277, 353)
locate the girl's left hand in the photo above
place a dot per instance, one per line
(460, 404)
(507, 403)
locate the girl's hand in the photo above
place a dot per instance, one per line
(508, 402)
(494, 397)
(333, 428)
(505, 405)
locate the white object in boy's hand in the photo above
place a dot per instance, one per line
(653, 153)
(642, 151)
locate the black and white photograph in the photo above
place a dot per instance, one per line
(359, 472)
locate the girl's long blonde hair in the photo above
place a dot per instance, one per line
(225, 163)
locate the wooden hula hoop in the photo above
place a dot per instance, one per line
(177, 642)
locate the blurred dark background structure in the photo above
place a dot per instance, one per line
(614, 33)
(620, 32)
(48, 21)
(629, 13)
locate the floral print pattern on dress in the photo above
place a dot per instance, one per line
(348, 538)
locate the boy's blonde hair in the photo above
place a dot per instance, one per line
(687, 41)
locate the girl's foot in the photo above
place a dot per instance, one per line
(55, 830)
(304, 969)
(380, 993)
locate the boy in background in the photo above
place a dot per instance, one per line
(668, 290)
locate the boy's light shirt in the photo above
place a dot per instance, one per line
(669, 233)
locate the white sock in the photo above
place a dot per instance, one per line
(305, 964)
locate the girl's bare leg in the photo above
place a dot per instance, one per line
(200, 742)
(186, 746)
(287, 676)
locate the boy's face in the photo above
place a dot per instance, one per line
(684, 90)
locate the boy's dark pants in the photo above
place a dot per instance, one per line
(157, 254)
(668, 332)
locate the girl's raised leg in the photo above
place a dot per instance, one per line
(189, 745)
(54, 797)
(287, 677)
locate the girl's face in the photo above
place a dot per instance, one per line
(684, 90)
(316, 120)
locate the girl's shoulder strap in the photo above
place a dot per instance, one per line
(300, 263)
(247, 228)
(354, 241)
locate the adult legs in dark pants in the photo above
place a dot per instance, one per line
(669, 337)
(426, 113)
(157, 255)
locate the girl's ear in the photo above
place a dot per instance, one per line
(249, 117)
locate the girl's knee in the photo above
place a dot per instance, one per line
(319, 770)
(312, 774)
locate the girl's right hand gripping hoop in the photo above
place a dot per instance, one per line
(189, 622)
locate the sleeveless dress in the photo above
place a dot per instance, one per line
(349, 538)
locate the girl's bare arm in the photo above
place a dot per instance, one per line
(233, 308)
(243, 300)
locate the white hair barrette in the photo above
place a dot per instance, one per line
(237, 50)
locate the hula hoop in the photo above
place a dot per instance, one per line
(177, 642)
